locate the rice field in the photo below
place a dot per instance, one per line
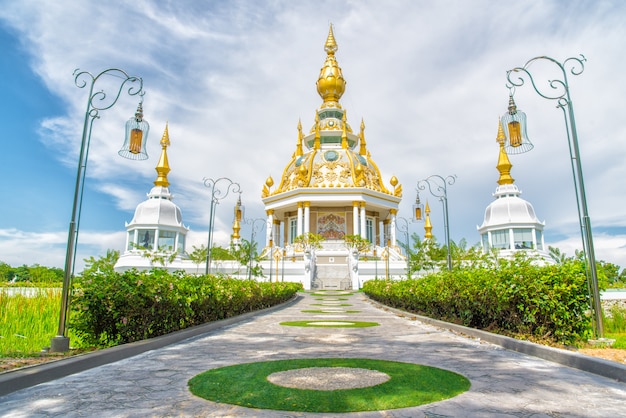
(28, 321)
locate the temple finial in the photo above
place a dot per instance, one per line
(330, 83)
(299, 151)
(331, 45)
(163, 166)
(428, 227)
(362, 149)
(504, 164)
(235, 237)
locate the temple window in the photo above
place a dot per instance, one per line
(145, 238)
(167, 240)
(523, 238)
(500, 239)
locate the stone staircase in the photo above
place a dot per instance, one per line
(334, 276)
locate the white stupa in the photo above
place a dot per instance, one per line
(510, 223)
(157, 227)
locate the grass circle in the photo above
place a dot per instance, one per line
(247, 385)
(330, 324)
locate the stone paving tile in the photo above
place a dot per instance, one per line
(154, 384)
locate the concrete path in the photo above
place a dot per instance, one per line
(154, 384)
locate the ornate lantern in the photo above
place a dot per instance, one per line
(514, 126)
(137, 128)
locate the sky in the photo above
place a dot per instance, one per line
(233, 78)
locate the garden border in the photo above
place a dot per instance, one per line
(599, 366)
(14, 380)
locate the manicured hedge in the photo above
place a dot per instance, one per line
(116, 308)
(514, 297)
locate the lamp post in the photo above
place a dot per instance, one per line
(405, 229)
(559, 91)
(438, 187)
(216, 196)
(136, 134)
(254, 229)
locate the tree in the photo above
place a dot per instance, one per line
(198, 256)
(41, 274)
(6, 272)
(308, 241)
(427, 254)
(357, 243)
(103, 264)
(556, 255)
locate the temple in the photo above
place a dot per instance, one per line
(332, 187)
(156, 234)
(510, 224)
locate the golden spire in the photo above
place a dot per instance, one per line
(428, 227)
(163, 166)
(362, 150)
(504, 164)
(299, 143)
(237, 221)
(330, 83)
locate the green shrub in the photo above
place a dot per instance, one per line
(115, 308)
(515, 298)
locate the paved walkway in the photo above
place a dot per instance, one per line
(154, 384)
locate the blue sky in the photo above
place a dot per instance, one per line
(233, 78)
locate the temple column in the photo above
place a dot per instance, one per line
(307, 217)
(392, 227)
(268, 232)
(363, 230)
(299, 219)
(355, 218)
(386, 223)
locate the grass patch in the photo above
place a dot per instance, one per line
(331, 299)
(330, 293)
(27, 323)
(330, 324)
(328, 312)
(330, 305)
(247, 385)
(620, 340)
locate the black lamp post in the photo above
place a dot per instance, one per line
(558, 89)
(216, 196)
(136, 134)
(438, 187)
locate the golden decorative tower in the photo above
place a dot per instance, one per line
(163, 166)
(331, 186)
(504, 164)
(428, 227)
(235, 237)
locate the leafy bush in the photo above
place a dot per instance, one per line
(515, 297)
(115, 308)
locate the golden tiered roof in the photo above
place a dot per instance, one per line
(331, 155)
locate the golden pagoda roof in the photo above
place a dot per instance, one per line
(331, 155)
